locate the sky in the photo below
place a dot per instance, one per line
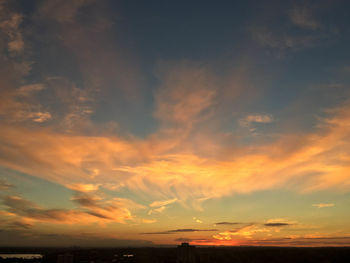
(146, 123)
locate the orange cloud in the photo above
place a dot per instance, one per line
(92, 209)
(255, 118)
(84, 187)
(322, 205)
(162, 203)
(245, 231)
(10, 25)
(181, 160)
(287, 162)
(186, 92)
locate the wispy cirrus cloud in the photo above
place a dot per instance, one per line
(85, 187)
(160, 206)
(185, 230)
(157, 210)
(18, 105)
(163, 203)
(187, 92)
(277, 224)
(229, 223)
(181, 159)
(302, 16)
(281, 43)
(22, 224)
(69, 102)
(4, 185)
(24, 208)
(64, 12)
(311, 32)
(10, 24)
(323, 205)
(321, 241)
(115, 209)
(92, 209)
(50, 129)
(255, 118)
(185, 170)
(248, 230)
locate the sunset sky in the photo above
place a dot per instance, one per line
(144, 123)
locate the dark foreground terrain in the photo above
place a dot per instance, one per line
(170, 255)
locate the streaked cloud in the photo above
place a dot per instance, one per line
(160, 209)
(160, 206)
(22, 225)
(183, 170)
(323, 205)
(94, 210)
(304, 241)
(115, 209)
(228, 223)
(249, 230)
(10, 24)
(5, 185)
(244, 231)
(277, 224)
(85, 187)
(64, 12)
(255, 118)
(28, 90)
(132, 134)
(281, 42)
(18, 106)
(24, 208)
(185, 230)
(302, 16)
(311, 32)
(163, 203)
(187, 92)
(149, 221)
(39, 116)
(280, 222)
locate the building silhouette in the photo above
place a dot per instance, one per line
(65, 258)
(186, 253)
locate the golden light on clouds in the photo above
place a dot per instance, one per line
(140, 131)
